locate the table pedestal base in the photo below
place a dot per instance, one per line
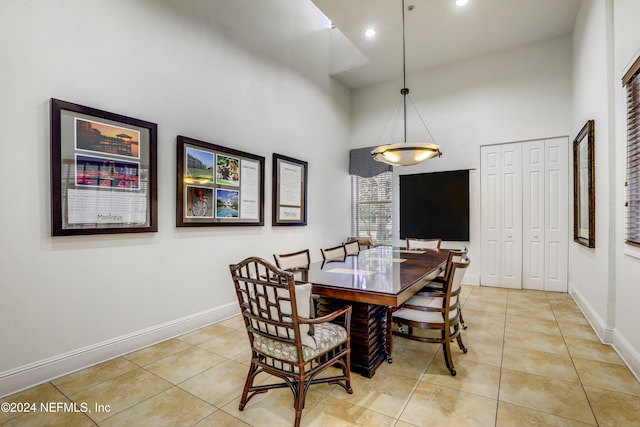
(368, 333)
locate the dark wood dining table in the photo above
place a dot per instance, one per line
(373, 282)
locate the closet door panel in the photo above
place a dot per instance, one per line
(511, 215)
(533, 214)
(554, 263)
(510, 263)
(556, 214)
(490, 215)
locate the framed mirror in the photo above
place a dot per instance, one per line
(584, 203)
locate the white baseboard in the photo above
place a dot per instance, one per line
(599, 326)
(26, 376)
(471, 279)
(609, 335)
(627, 353)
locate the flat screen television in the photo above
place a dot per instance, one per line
(435, 205)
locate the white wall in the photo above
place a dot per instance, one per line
(604, 281)
(626, 336)
(590, 269)
(246, 75)
(511, 96)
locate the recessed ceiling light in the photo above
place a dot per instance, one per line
(370, 32)
(461, 2)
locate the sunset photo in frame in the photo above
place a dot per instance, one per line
(103, 172)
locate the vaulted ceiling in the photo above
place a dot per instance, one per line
(437, 32)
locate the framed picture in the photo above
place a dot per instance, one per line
(103, 172)
(218, 186)
(584, 204)
(289, 191)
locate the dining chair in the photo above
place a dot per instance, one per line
(352, 248)
(297, 263)
(439, 282)
(335, 252)
(435, 311)
(419, 244)
(276, 314)
(293, 261)
(364, 242)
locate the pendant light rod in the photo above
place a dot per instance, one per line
(406, 154)
(404, 91)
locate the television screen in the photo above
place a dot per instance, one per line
(435, 205)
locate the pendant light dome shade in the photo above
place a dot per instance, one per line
(405, 153)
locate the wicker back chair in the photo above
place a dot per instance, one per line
(285, 342)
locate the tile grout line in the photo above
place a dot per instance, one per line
(546, 293)
(504, 336)
(573, 362)
(415, 388)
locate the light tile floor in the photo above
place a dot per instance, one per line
(533, 360)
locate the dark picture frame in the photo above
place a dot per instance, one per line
(103, 172)
(584, 204)
(218, 186)
(289, 191)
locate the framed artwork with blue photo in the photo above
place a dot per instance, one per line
(218, 186)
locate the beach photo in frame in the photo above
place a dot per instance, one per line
(218, 186)
(103, 172)
(289, 191)
(584, 205)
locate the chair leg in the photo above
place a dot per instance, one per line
(446, 349)
(464, 325)
(248, 384)
(298, 399)
(461, 344)
(346, 371)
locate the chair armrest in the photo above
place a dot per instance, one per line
(439, 293)
(344, 311)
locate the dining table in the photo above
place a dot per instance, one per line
(374, 282)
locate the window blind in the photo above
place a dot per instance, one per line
(631, 81)
(371, 198)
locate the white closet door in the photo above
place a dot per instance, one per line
(524, 214)
(533, 215)
(490, 215)
(556, 214)
(511, 215)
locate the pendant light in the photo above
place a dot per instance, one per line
(405, 153)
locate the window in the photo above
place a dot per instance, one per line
(631, 81)
(371, 199)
